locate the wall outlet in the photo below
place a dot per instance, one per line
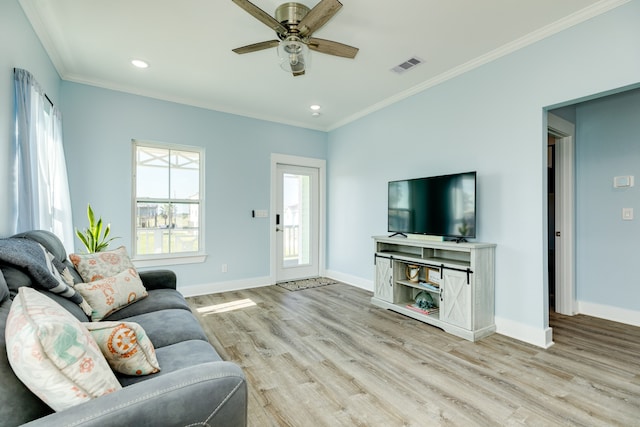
(627, 214)
(224, 268)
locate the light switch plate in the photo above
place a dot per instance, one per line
(627, 214)
(261, 213)
(623, 181)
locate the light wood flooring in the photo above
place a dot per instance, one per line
(327, 357)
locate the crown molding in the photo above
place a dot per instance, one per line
(533, 37)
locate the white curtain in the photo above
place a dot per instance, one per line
(41, 185)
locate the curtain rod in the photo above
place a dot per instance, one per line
(45, 95)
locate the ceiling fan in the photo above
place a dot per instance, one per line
(294, 23)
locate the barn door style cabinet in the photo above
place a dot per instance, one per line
(445, 284)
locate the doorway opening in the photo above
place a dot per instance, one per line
(551, 219)
(561, 215)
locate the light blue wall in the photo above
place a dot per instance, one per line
(490, 120)
(20, 48)
(98, 128)
(608, 249)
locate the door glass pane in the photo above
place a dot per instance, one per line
(296, 210)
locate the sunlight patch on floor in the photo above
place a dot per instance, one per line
(227, 306)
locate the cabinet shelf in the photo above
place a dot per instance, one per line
(418, 286)
(433, 260)
(464, 274)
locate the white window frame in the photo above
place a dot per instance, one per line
(155, 260)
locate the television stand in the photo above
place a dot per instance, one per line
(398, 234)
(459, 277)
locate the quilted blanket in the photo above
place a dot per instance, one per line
(44, 270)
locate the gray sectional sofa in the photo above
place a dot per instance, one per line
(194, 386)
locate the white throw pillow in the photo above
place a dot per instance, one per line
(112, 293)
(53, 354)
(126, 347)
(99, 265)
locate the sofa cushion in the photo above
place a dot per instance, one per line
(168, 327)
(178, 356)
(156, 300)
(112, 293)
(158, 279)
(125, 346)
(15, 279)
(4, 289)
(96, 266)
(53, 354)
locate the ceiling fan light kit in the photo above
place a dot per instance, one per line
(293, 54)
(294, 23)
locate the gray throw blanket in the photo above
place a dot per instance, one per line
(34, 260)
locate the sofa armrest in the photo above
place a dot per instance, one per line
(158, 279)
(213, 393)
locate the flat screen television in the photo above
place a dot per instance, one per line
(438, 205)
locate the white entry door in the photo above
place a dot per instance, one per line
(296, 222)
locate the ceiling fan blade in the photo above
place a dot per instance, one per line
(256, 47)
(318, 16)
(332, 48)
(261, 16)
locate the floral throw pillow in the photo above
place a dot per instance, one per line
(53, 354)
(96, 266)
(108, 295)
(126, 347)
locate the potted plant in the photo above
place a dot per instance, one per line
(94, 238)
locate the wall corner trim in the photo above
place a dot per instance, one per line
(540, 337)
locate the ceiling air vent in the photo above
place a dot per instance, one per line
(407, 65)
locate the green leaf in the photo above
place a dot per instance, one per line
(93, 237)
(92, 218)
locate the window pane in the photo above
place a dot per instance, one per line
(153, 215)
(184, 240)
(149, 241)
(167, 227)
(186, 215)
(184, 228)
(152, 169)
(152, 220)
(185, 175)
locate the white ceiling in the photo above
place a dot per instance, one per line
(188, 45)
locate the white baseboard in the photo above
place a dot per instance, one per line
(539, 337)
(257, 282)
(217, 287)
(616, 314)
(358, 282)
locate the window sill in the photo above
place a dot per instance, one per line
(164, 260)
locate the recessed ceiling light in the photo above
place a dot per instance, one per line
(140, 63)
(315, 107)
